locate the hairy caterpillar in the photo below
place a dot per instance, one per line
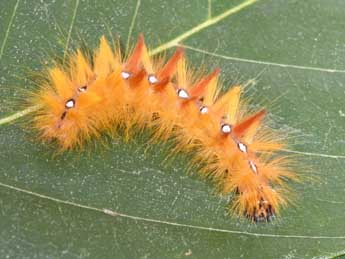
(235, 149)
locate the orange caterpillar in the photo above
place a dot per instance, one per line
(235, 149)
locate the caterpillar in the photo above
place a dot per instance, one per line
(232, 145)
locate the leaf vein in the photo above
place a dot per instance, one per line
(19, 114)
(329, 70)
(201, 26)
(132, 24)
(314, 154)
(8, 29)
(163, 222)
(71, 28)
(209, 9)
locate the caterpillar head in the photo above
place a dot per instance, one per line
(263, 212)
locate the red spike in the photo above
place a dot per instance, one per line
(161, 84)
(137, 77)
(170, 67)
(134, 60)
(199, 89)
(241, 128)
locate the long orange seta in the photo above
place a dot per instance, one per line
(231, 146)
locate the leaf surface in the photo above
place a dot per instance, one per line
(126, 202)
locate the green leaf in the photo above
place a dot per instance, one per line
(127, 202)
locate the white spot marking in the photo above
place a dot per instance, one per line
(226, 128)
(242, 147)
(70, 104)
(182, 94)
(253, 167)
(125, 75)
(82, 89)
(203, 110)
(153, 79)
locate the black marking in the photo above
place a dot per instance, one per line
(63, 115)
